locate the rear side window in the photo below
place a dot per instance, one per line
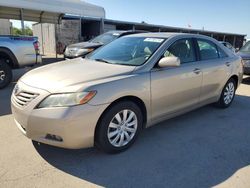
(183, 49)
(222, 54)
(208, 50)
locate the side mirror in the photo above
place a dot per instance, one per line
(169, 62)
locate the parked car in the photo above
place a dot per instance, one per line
(245, 54)
(84, 48)
(16, 52)
(130, 84)
(228, 45)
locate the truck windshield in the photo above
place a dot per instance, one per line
(132, 51)
(246, 47)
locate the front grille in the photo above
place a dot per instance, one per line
(24, 98)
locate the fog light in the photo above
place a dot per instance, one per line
(54, 137)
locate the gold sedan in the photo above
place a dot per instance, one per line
(130, 84)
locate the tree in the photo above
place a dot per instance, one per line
(27, 31)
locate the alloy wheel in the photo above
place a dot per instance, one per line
(229, 93)
(122, 128)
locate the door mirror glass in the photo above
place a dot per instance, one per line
(169, 62)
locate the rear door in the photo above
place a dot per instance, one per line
(215, 65)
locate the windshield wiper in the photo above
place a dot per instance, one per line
(103, 60)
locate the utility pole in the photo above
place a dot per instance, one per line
(22, 21)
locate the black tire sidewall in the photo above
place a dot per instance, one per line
(8, 74)
(102, 141)
(222, 103)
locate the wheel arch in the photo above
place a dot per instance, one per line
(236, 79)
(131, 98)
(6, 53)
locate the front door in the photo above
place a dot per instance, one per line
(176, 88)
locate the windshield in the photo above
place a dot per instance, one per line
(246, 47)
(105, 38)
(133, 51)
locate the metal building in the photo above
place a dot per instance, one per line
(47, 11)
(74, 29)
(63, 28)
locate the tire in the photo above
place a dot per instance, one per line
(114, 135)
(5, 74)
(227, 94)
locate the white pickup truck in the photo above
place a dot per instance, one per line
(17, 52)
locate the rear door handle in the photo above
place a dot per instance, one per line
(228, 64)
(197, 71)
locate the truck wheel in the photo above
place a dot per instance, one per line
(5, 74)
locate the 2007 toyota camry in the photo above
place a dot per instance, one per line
(132, 83)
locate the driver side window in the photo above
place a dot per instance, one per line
(183, 49)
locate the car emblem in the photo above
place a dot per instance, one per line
(16, 90)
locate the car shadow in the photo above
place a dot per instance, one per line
(199, 149)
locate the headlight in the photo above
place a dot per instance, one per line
(77, 52)
(67, 99)
(84, 51)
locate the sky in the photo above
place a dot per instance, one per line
(215, 15)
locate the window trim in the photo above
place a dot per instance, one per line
(223, 51)
(199, 51)
(192, 40)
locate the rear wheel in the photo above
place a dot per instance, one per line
(5, 74)
(119, 127)
(227, 95)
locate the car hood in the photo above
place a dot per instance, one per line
(85, 45)
(55, 77)
(244, 55)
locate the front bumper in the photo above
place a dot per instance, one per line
(75, 125)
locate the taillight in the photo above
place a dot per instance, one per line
(36, 46)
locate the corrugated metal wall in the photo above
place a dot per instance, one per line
(66, 33)
(5, 28)
(46, 36)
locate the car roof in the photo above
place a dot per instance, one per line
(164, 34)
(127, 31)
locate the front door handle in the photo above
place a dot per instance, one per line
(197, 71)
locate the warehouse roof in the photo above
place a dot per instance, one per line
(49, 11)
(145, 26)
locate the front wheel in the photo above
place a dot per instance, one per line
(5, 74)
(228, 94)
(119, 127)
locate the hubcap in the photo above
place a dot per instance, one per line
(2, 75)
(122, 128)
(229, 93)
